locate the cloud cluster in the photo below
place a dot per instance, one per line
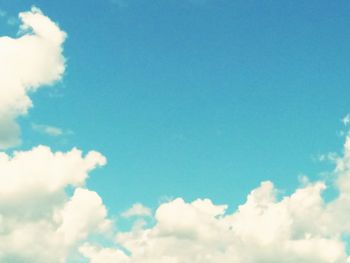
(26, 64)
(301, 227)
(39, 220)
(48, 215)
(45, 208)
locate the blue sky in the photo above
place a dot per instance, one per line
(195, 99)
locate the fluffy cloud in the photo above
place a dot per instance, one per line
(26, 64)
(39, 220)
(45, 209)
(44, 173)
(301, 227)
(258, 232)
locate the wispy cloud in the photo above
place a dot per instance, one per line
(137, 210)
(3, 13)
(50, 130)
(346, 120)
(10, 20)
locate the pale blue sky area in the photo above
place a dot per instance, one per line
(196, 98)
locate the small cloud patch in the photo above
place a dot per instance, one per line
(50, 130)
(137, 210)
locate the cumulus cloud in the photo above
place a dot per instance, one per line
(26, 172)
(46, 211)
(301, 227)
(26, 64)
(39, 220)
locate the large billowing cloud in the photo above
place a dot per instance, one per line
(26, 64)
(39, 220)
(48, 215)
(301, 227)
(45, 208)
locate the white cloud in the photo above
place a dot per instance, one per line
(83, 213)
(39, 220)
(301, 227)
(26, 64)
(137, 210)
(346, 120)
(45, 210)
(47, 129)
(294, 229)
(50, 130)
(99, 254)
(41, 171)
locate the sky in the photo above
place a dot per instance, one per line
(175, 131)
